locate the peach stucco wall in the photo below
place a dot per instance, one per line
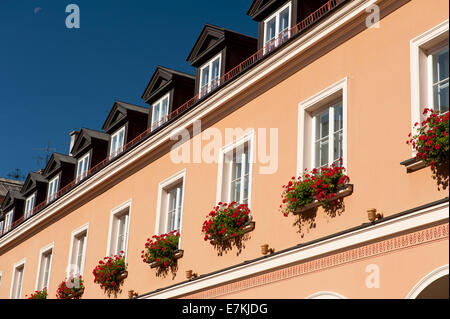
(377, 65)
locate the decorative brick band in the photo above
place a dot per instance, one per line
(392, 244)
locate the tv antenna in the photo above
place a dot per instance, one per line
(47, 150)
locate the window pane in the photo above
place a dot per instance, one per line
(321, 155)
(338, 119)
(205, 78)
(441, 96)
(156, 114)
(121, 139)
(270, 32)
(215, 73)
(441, 66)
(284, 20)
(322, 125)
(337, 149)
(164, 109)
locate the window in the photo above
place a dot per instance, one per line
(209, 75)
(18, 273)
(44, 267)
(276, 28)
(170, 203)
(52, 189)
(438, 77)
(82, 167)
(117, 142)
(8, 221)
(235, 171)
(429, 72)
(328, 136)
(322, 129)
(29, 205)
(119, 228)
(1, 227)
(160, 111)
(78, 251)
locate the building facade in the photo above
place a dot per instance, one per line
(325, 81)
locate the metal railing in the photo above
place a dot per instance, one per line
(217, 84)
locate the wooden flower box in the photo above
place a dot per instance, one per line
(178, 254)
(122, 276)
(345, 191)
(76, 295)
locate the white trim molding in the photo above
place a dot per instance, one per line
(167, 183)
(13, 279)
(419, 49)
(247, 137)
(338, 90)
(420, 218)
(428, 280)
(326, 295)
(43, 251)
(126, 206)
(75, 233)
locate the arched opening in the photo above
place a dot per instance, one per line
(438, 289)
(325, 295)
(435, 285)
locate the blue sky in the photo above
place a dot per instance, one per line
(54, 80)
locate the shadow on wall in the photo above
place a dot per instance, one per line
(306, 220)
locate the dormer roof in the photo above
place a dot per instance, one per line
(119, 111)
(161, 81)
(30, 182)
(84, 139)
(212, 39)
(260, 9)
(11, 196)
(55, 162)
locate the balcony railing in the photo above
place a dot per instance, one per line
(262, 53)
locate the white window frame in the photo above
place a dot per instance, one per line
(8, 221)
(29, 205)
(306, 111)
(204, 66)
(158, 104)
(162, 204)
(74, 248)
(276, 15)
(115, 214)
(420, 48)
(1, 227)
(117, 150)
(50, 186)
(41, 268)
(431, 101)
(81, 161)
(223, 191)
(17, 294)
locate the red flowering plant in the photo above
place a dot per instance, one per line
(38, 294)
(110, 272)
(161, 249)
(431, 138)
(318, 185)
(71, 288)
(226, 221)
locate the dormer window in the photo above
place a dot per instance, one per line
(117, 141)
(276, 28)
(29, 205)
(52, 189)
(8, 221)
(82, 167)
(160, 111)
(209, 75)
